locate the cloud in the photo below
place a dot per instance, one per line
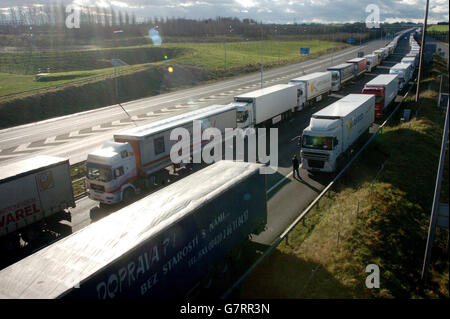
(279, 11)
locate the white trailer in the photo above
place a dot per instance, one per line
(311, 87)
(138, 157)
(372, 61)
(380, 54)
(404, 72)
(333, 130)
(265, 106)
(411, 59)
(31, 191)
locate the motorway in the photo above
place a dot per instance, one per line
(287, 197)
(74, 136)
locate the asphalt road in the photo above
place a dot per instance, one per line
(76, 135)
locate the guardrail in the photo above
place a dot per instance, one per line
(285, 234)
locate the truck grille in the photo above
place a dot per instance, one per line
(98, 188)
(315, 156)
(315, 164)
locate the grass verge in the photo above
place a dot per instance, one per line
(377, 214)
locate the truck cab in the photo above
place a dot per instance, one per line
(110, 172)
(320, 145)
(244, 114)
(301, 94)
(380, 95)
(335, 80)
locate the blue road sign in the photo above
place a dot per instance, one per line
(351, 40)
(304, 50)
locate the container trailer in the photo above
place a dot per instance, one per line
(166, 245)
(266, 106)
(32, 192)
(312, 87)
(360, 65)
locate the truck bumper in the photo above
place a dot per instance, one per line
(316, 167)
(106, 198)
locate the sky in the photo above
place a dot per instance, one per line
(269, 11)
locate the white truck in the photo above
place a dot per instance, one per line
(137, 157)
(413, 59)
(380, 54)
(404, 72)
(312, 87)
(372, 61)
(265, 106)
(33, 192)
(333, 130)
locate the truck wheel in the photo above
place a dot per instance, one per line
(128, 195)
(31, 233)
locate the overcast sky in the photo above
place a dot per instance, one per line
(270, 11)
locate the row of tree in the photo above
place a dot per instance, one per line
(46, 24)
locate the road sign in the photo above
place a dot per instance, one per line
(351, 41)
(304, 50)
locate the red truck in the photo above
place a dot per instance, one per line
(385, 88)
(360, 65)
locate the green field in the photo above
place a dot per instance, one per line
(16, 70)
(438, 28)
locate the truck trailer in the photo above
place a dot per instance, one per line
(265, 106)
(311, 87)
(380, 54)
(137, 157)
(340, 74)
(333, 130)
(385, 89)
(372, 61)
(32, 192)
(360, 65)
(404, 72)
(165, 245)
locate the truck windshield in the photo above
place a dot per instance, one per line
(334, 76)
(317, 142)
(241, 116)
(99, 174)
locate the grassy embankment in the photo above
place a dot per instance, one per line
(438, 28)
(196, 62)
(378, 214)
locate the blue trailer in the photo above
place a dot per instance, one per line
(158, 247)
(340, 74)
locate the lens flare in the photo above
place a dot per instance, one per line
(154, 35)
(170, 69)
(166, 57)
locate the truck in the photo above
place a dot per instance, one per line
(137, 157)
(385, 51)
(333, 131)
(404, 72)
(169, 244)
(34, 192)
(360, 65)
(266, 106)
(380, 54)
(372, 61)
(312, 87)
(385, 89)
(411, 58)
(340, 74)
